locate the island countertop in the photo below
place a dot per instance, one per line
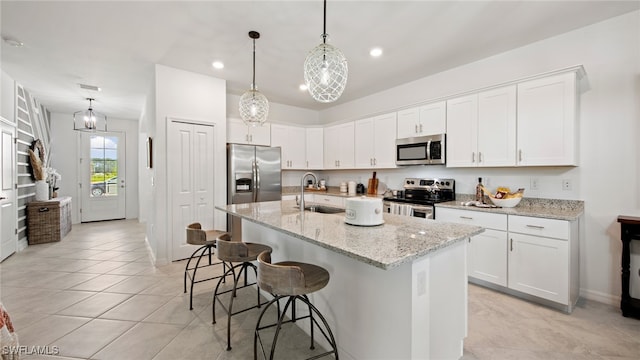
(399, 240)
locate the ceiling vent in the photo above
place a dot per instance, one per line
(90, 87)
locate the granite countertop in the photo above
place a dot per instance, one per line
(543, 208)
(399, 240)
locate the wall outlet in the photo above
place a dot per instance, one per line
(566, 184)
(486, 181)
(534, 183)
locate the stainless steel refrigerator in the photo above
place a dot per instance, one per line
(253, 175)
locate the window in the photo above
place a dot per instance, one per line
(104, 165)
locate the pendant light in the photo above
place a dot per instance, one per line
(89, 120)
(254, 107)
(325, 69)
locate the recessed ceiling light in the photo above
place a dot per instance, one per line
(375, 52)
(303, 87)
(217, 65)
(13, 42)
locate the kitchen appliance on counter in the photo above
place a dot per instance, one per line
(253, 175)
(363, 211)
(419, 196)
(423, 150)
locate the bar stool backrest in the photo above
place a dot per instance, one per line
(195, 234)
(280, 279)
(233, 251)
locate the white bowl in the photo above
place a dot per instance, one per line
(507, 203)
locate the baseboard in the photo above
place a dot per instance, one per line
(600, 297)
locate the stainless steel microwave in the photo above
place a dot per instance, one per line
(423, 150)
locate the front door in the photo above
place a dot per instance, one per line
(8, 208)
(191, 163)
(103, 190)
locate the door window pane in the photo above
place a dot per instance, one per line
(104, 166)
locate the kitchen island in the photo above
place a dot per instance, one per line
(397, 290)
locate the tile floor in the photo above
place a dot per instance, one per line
(96, 295)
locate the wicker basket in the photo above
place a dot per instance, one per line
(48, 221)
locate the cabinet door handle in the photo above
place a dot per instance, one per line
(520, 155)
(416, 128)
(473, 157)
(535, 227)
(469, 239)
(466, 217)
(307, 163)
(511, 244)
(420, 127)
(375, 161)
(479, 157)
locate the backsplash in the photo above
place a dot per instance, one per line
(549, 180)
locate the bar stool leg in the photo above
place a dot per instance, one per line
(311, 320)
(193, 282)
(256, 334)
(186, 269)
(231, 271)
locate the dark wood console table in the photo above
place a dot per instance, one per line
(630, 226)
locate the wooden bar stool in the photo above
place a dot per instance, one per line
(293, 280)
(242, 253)
(207, 241)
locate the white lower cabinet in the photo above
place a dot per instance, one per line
(487, 252)
(523, 255)
(538, 266)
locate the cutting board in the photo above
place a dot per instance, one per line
(372, 189)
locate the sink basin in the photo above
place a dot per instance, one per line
(323, 209)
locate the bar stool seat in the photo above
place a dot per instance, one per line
(236, 252)
(207, 241)
(293, 280)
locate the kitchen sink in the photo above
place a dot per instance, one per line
(323, 209)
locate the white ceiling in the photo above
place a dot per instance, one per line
(114, 44)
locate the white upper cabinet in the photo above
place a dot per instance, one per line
(497, 127)
(547, 121)
(239, 133)
(339, 146)
(481, 129)
(314, 148)
(429, 119)
(375, 141)
(292, 140)
(462, 131)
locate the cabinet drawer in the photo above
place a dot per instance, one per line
(329, 200)
(552, 228)
(478, 218)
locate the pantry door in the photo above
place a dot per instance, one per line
(191, 165)
(103, 186)
(8, 208)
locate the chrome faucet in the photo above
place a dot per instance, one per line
(315, 180)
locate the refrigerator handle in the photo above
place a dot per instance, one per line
(256, 181)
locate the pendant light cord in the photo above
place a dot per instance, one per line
(253, 85)
(324, 24)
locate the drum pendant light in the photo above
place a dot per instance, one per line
(254, 107)
(89, 120)
(325, 69)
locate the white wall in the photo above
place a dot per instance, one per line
(608, 176)
(7, 96)
(189, 96)
(65, 152)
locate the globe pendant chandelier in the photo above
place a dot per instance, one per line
(89, 120)
(254, 107)
(325, 69)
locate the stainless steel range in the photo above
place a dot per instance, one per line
(419, 195)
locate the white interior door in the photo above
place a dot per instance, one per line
(103, 184)
(191, 164)
(8, 208)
